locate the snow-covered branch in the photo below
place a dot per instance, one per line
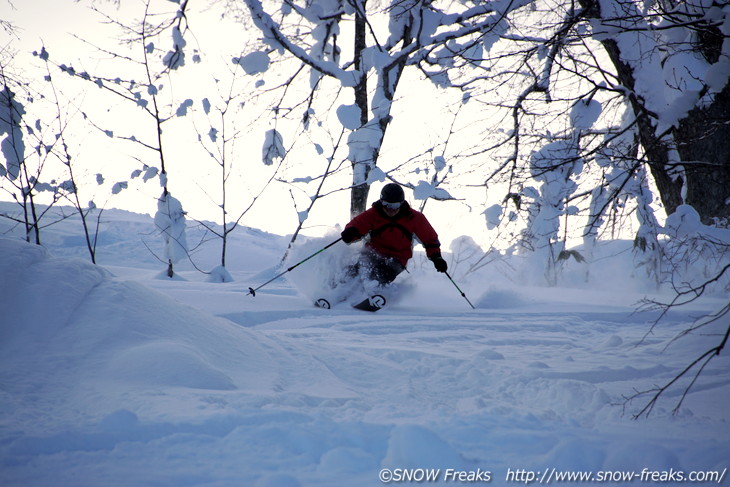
(277, 40)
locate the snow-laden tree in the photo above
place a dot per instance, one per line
(663, 63)
(136, 76)
(12, 146)
(366, 47)
(220, 136)
(37, 169)
(170, 222)
(556, 188)
(672, 59)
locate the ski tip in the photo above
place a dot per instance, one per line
(322, 303)
(371, 303)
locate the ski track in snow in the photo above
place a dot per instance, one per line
(110, 376)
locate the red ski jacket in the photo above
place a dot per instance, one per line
(393, 237)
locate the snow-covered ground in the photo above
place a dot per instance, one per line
(112, 376)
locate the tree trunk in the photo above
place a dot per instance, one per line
(360, 191)
(701, 141)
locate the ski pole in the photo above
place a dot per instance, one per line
(252, 291)
(457, 287)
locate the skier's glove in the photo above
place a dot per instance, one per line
(439, 263)
(349, 235)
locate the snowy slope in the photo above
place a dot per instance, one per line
(111, 376)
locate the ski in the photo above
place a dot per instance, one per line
(371, 303)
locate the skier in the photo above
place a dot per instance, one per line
(391, 225)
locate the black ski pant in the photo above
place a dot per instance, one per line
(376, 267)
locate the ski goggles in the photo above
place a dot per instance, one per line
(391, 206)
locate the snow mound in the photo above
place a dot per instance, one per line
(496, 298)
(32, 280)
(167, 364)
(411, 446)
(110, 331)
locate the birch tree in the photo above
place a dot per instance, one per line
(138, 78)
(36, 167)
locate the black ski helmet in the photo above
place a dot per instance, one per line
(392, 193)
